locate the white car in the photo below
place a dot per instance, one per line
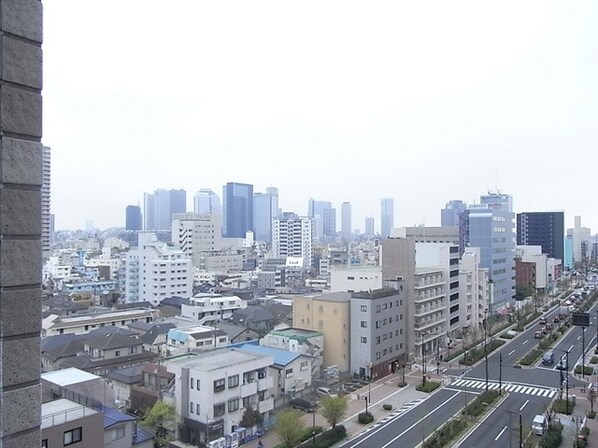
(325, 392)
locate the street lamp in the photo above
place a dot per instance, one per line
(566, 352)
(485, 344)
(369, 385)
(313, 426)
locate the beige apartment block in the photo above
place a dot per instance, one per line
(331, 315)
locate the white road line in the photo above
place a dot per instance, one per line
(500, 433)
(511, 352)
(571, 348)
(578, 338)
(524, 405)
(524, 342)
(412, 426)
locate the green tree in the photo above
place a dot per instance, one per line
(251, 417)
(162, 420)
(333, 409)
(289, 428)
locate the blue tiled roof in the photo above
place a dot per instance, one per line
(141, 436)
(112, 417)
(281, 357)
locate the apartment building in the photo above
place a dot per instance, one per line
(155, 271)
(213, 389)
(206, 308)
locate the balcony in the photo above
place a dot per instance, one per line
(265, 383)
(249, 389)
(265, 405)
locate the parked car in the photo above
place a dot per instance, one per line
(543, 321)
(325, 392)
(539, 424)
(556, 319)
(303, 405)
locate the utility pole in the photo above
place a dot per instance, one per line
(423, 362)
(437, 357)
(500, 374)
(520, 431)
(485, 345)
(583, 353)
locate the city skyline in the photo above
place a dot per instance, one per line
(420, 104)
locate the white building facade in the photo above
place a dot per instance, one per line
(155, 271)
(292, 237)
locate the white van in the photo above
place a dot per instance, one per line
(539, 424)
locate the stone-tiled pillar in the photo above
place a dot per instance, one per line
(20, 221)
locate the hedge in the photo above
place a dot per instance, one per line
(365, 417)
(553, 437)
(444, 435)
(475, 355)
(587, 370)
(480, 404)
(560, 406)
(307, 434)
(531, 357)
(428, 386)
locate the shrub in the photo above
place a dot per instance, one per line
(365, 417)
(594, 360)
(560, 406)
(474, 356)
(402, 383)
(591, 414)
(587, 370)
(531, 357)
(552, 438)
(445, 434)
(428, 386)
(506, 335)
(478, 406)
(387, 407)
(331, 437)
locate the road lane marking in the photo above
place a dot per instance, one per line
(500, 433)
(512, 351)
(524, 405)
(571, 348)
(417, 423)
(524, 342)
(578, 338)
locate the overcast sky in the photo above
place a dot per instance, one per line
(343, 101)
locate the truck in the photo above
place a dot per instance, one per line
(564, 310)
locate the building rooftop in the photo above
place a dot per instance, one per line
(340, 296)
(281, 357)
(61, 411)
(296, 333)
(67, 377)
(218, 359)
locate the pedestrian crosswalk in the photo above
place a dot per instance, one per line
(529, 390)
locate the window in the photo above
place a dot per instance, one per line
(377, 339)
(191, 383)
(233, 381)
(364, 307)
(72, 436)
(197, 384)
(233, 405)
(197, 411)
(117, 353)
(377, 308)
(219, 410)
(364, 324)
(45, 443)
(219, 385)
(191, 407)
(289, 373)
(364, 340)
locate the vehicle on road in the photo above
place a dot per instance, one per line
(539, 424)
(556, 319)
(562, 365)
(548, 358)
(542, 321)
(539, 334)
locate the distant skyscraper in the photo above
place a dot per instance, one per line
(546, 229)
(206, 201)
(387, 217)
(580, 239)
(161, 205)
(238, 209)
(346, 220)
(46, 216)
(329, 222)
(315, 211)
(498, 201)
(449, 215)
(291, 237)
(369, 226)
(265, 209)
(133, 217)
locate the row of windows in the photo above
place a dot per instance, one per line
(219, 384)
(389, 350)
(385, 321)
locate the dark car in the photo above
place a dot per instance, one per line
(303, 405)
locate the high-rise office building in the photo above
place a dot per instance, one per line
(329, 222)
(265, 209)
(196, 234)
(546, 229)
(161, 205)
(46, 215)
(581, 241)
(491, 228)
(346, 220)
(449, 215)
(369, 226)
(21, 77)
(206, 201)
(387, 217)
(315, 211)
(237, 209)
(133, 219)
(291, 237)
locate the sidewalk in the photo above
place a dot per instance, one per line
(573, 423)
(383, 391)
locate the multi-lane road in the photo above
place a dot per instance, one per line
(530, 391)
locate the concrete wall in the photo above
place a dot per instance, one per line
(20, 221)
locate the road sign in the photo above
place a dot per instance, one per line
(581, 319)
